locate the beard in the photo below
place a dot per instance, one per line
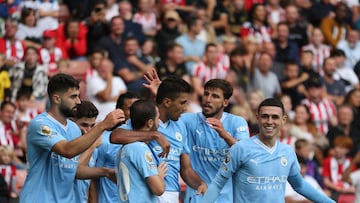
(212, 113)
(66, 112)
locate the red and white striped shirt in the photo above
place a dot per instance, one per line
(49, 59)
(177, 2)
(321, 113)
(13, 51)
(147, 21)
(7, 136)
(9, 173)
(206, 73)
(319, 54)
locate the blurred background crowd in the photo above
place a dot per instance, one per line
(304, 52)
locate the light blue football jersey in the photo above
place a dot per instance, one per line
(175, 133)
(208, 150)
(106, 154)
(81, 187)
(50, 177)
(259, 173)
(135, 163)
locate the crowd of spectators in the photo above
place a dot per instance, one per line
(304, 52)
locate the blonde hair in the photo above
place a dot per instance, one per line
(8, 150)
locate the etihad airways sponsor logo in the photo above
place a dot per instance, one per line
(266, 179)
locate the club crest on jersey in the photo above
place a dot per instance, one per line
(148, 157)
(283, 161)
(178, 136)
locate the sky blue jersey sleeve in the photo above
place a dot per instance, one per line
(226, 171)
(305, 189)
(241, 128)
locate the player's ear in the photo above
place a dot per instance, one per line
(166, 102)
(149, 123)
(226, 102)
(56, 99)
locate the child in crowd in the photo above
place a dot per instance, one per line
(335, 165)
(146, 18)
(8, 169)
(49, 54)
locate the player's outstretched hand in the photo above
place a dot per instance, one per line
(162, 169)
(113, 119)
(164, 144)
(153, 81)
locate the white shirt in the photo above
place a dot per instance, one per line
(355, 179)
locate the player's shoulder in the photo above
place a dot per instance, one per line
(233, 117)
(189, 117)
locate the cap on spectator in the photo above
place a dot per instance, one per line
(229, 39)
(171, 14)
(49, 33)
(338, 52)
(313, 82)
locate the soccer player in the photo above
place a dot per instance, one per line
(54, 143)
(85, 118)
(171, 100)
(261, 166)
(139, 179)
(106, 190)
(210, 135)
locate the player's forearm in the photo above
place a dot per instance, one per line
(214, 189)
(305, 189)
(92, 195)
(122, 136)
(86, 156)
(191, 178)
(230, 140)
(86, 172)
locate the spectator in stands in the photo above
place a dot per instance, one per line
(29, 75)
(48, 11)
(180, 6)
(49, 53)
(323, 111)
(71, 37)
(113, 43)
(297, 29)
(275, 13)
(334, 89)
(133, 67)
(193, 48)
(95, 60)
(8, 170)
(111, 9)
(9, 135)
(218, 14)
(104, 89)
(255, 97)
(320, 10)
(168, 32)
(263, 79)
(291, 196)
(9, 8)
(318, 48)
(210, 68)
(13, 48)
(335, 28)
(29, 30)
(335, 165)
(293, 83)
(237, 16)
(353, 100)
(257, 24)
(343, 72)
(97, 26)
(307, 64)
(146, 17)
(286, 49)
(344, 128)
(304, 127)
(173, 64)
(351, 47)
(277, 66)
(149, 51)
(207, 33)
(352, 177)
(5, 83)
(132, 29)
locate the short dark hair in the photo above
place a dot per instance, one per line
(140, 112)
(171, 88)
(208, 45)
(191, 21)
(272, 102)
(131, 38)
(126, 95)
(61, 83)
(5, 103)
(86, 110)
(239, 51)
(23, 93)
(172, 45)
(224, 85)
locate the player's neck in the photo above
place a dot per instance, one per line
(269, 142)
(57, 116)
